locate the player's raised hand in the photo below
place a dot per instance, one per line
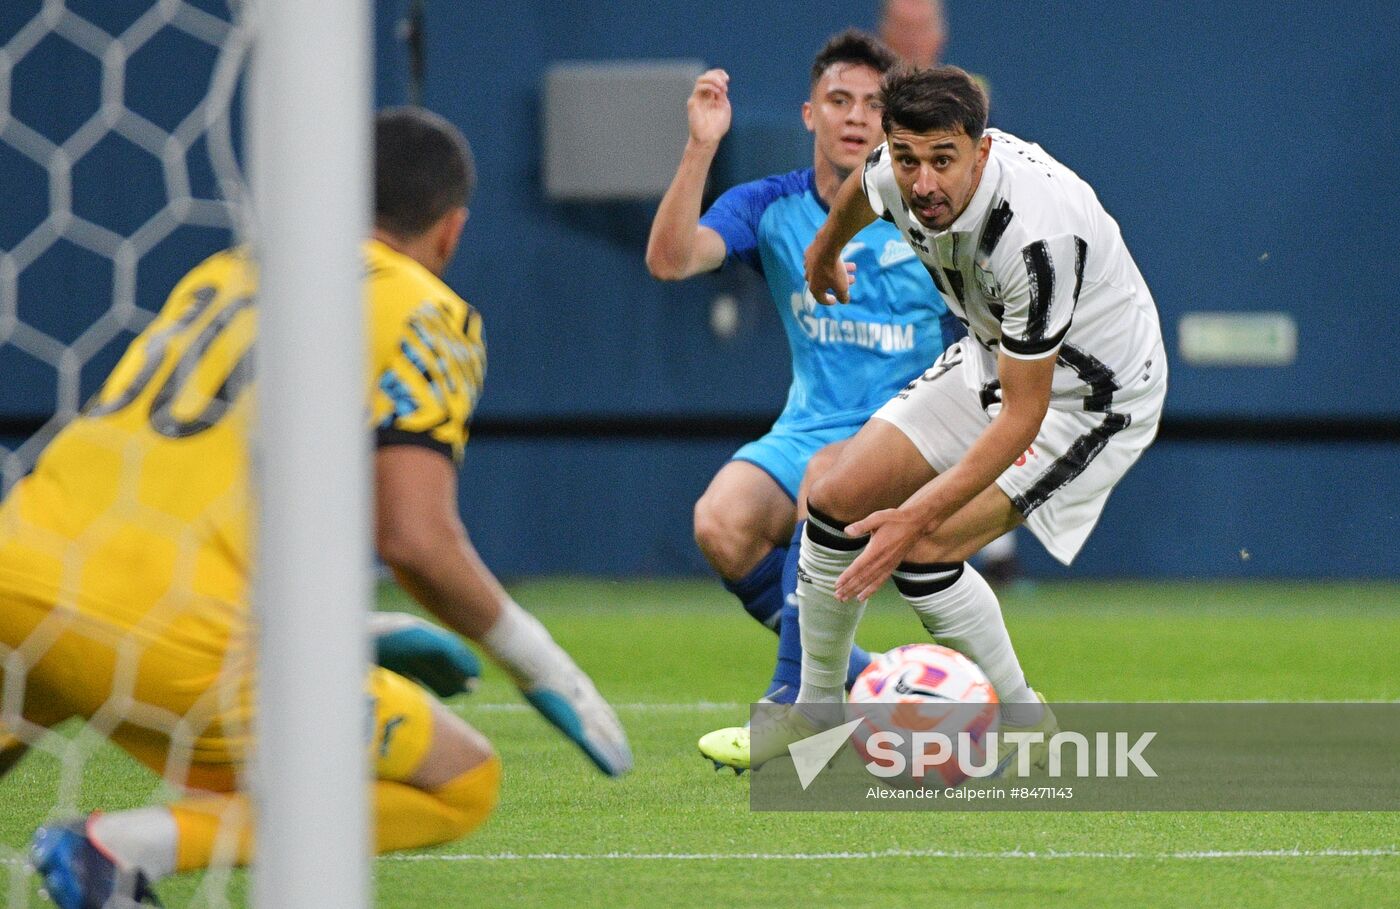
(708, 108)
(893, 533)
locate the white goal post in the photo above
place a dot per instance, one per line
(310, 148)
(119, 170)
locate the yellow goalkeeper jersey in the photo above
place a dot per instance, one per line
(138, 514)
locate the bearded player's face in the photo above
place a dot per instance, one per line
(937, 172)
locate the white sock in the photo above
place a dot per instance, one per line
(143, 838)
(828, 625)
(522, 646)
(960, 610)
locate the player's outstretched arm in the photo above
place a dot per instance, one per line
(827, 276)
(678, 246)
(421, 538)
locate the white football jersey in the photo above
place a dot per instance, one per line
(1035, 267)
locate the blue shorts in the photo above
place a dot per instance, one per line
(783, 453)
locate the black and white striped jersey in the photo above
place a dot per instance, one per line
(1035, 267)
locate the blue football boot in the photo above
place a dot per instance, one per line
(77, 874)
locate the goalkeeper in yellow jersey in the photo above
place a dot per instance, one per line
(125, 559)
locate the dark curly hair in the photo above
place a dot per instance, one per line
(934, 99)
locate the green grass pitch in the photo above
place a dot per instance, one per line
(679, 658)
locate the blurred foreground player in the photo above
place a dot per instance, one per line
(1033, 418)
(148, 493)
(842, 368)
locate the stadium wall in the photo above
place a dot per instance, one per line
(1241, 147)
(1187, 510)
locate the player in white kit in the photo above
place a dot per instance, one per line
(1033, 418)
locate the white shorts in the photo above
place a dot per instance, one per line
(1061, 483)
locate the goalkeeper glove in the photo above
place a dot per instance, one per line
(555, 686)
(433, 657)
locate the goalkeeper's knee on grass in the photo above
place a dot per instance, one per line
(409, 818)
(196, 833)
(468, 800)
(219, 830)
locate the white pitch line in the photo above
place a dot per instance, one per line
(467, 707)
(1391, 852)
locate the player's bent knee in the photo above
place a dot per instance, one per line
(471, 797)
(730, 547)
(821, 463)
(708, 529)
(455, 749)
(461, 775)
(831, 497)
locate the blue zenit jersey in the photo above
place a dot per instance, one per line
(846, 360)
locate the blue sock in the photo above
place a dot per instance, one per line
(761, 589)
(787, 675)
(860, 658)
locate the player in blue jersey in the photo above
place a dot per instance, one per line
(845, 363)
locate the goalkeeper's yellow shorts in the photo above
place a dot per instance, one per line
(180, 704)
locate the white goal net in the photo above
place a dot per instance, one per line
(99, 131)
(121, 168)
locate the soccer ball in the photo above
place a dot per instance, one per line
(919, 693)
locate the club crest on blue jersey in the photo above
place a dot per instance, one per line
(895, 252)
